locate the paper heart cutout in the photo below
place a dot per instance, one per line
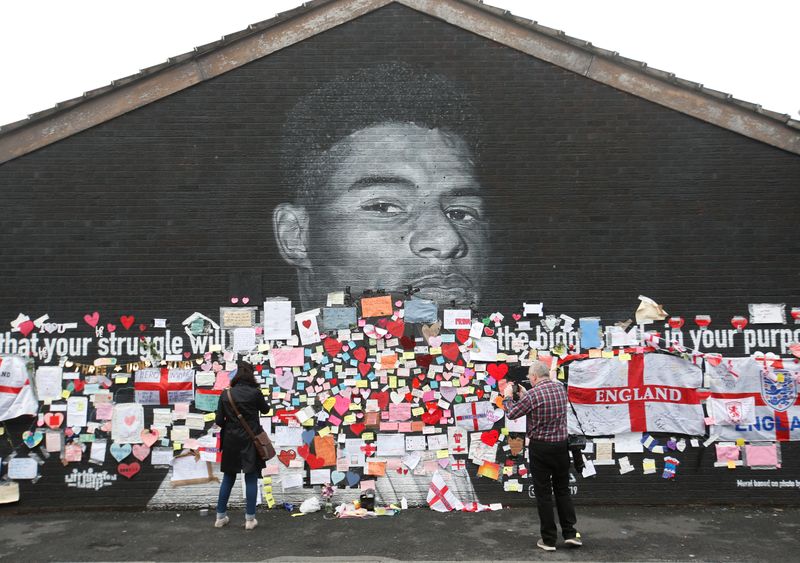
(435, 341)
(430, 330)
(32, 439)
(127, 321)
(234, 300)
(141, 451)
(364, 369)
(78, 385)
(306, 323)
(92, 319)
(128, 470)
(498, 371)
(675, 322)
(245, 300)
(352, 478)
(490, 437)
(68, 432)
(332, 347)
(303, 451)
(462, 335)
(284, 379)
(488, 331)
(449, 393)
(286, 456)
(111, 327)
(53, 419)
(315, 462)
(26, 327)
(337, 477)
(308, 436)
(142, 327)
(357, 428)
(120, 451)
(360, 354)
(431, 416)
(50, 328)
(206, 366)
(407, 343)
(149, 436)
(396, 328)
(397, 398)
(516, 316)
(450, 350)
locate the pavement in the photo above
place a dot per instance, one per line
(613, 533)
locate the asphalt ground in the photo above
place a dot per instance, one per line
(614, 533)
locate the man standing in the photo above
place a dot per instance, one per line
(545, 406)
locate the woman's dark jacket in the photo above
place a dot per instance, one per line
(238, 451)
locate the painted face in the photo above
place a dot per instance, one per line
(402, 207)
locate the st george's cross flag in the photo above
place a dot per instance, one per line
(440, 497)
(16, 393)
(648, 393)
(772, 389)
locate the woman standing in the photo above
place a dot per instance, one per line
(238, 451)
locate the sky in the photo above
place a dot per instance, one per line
(54, 50)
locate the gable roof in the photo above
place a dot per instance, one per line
(287, 28)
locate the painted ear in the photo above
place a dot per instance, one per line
(290, 226)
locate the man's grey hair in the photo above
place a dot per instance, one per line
(539, 369)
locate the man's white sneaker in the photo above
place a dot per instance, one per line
(250, 524)
(574, 542)
(222, 522)
(545, 547)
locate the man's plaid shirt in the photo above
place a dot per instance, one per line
(546, 408)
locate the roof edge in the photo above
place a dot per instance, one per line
(285, 29)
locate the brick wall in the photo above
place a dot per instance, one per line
(594, 197)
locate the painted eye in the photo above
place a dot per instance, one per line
(462, 214)
(381, 207)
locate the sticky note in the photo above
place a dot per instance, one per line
(740, 442)
(176, 446)
(441, 454)
(368, 436)
(208, 417)
(65, 394)
(120, 380)
(731, 464)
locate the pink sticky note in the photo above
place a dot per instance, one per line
(368, 485)
(223, 380)
(334, 420)
(286, 357)
(727, 453)
(404, 427)
(399, 412)
(388, 427)
(762, 455)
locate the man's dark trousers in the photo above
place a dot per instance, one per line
(550, 469)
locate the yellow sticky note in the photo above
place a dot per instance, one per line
(328, 404)
(624, 357)
(408, 355)
(264, 347)
(208, 417)
(435, 351)
(740, 442)
(2, 430)
(366, 436)
(607, 354)
(393, 382)
(594, 353)
(309, 422)
(176, 446)
(731, 464)
(65, 394)
(265, 391)
(504, 431)
(215, 348)
(441, 454)
(267, 489)
(324, 431)
(266, 480)
(362, 383)
(349, 419)
(270, 502)
(120, 380)
(417, 411)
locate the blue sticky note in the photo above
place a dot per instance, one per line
(206, 402)
(590, 332)
(337, 318)
(421, 311)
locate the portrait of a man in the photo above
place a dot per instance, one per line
(381, 166)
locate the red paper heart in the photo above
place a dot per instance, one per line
(92, 319)
(78, 385)
(358, 428)
(360, 354)
(479, 393)
(396, 328)
(142, 327)
(432, 416)
(149, 437)
(111, 327)
(702, 320)
(714, 359)
(738, 322)
(450, 350)
(364, 369)
(187, 355)
(332, 347)
(127, 321)
(306, 323)
(315, 462)
(382, 397)
(53, 419)
(498, 371)
(286, 456)
(675, 322)
(407, 343)
(304, 451)
(416, 383)
(423, 360)
(490, 437)
(516, 316)
(408, 397)
(129, 469)
(488, 331)
(26, 327)
(462, 335)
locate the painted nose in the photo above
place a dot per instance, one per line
(436, 237)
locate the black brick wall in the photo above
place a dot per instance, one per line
(596, 197)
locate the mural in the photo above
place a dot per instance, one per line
(390, 237)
